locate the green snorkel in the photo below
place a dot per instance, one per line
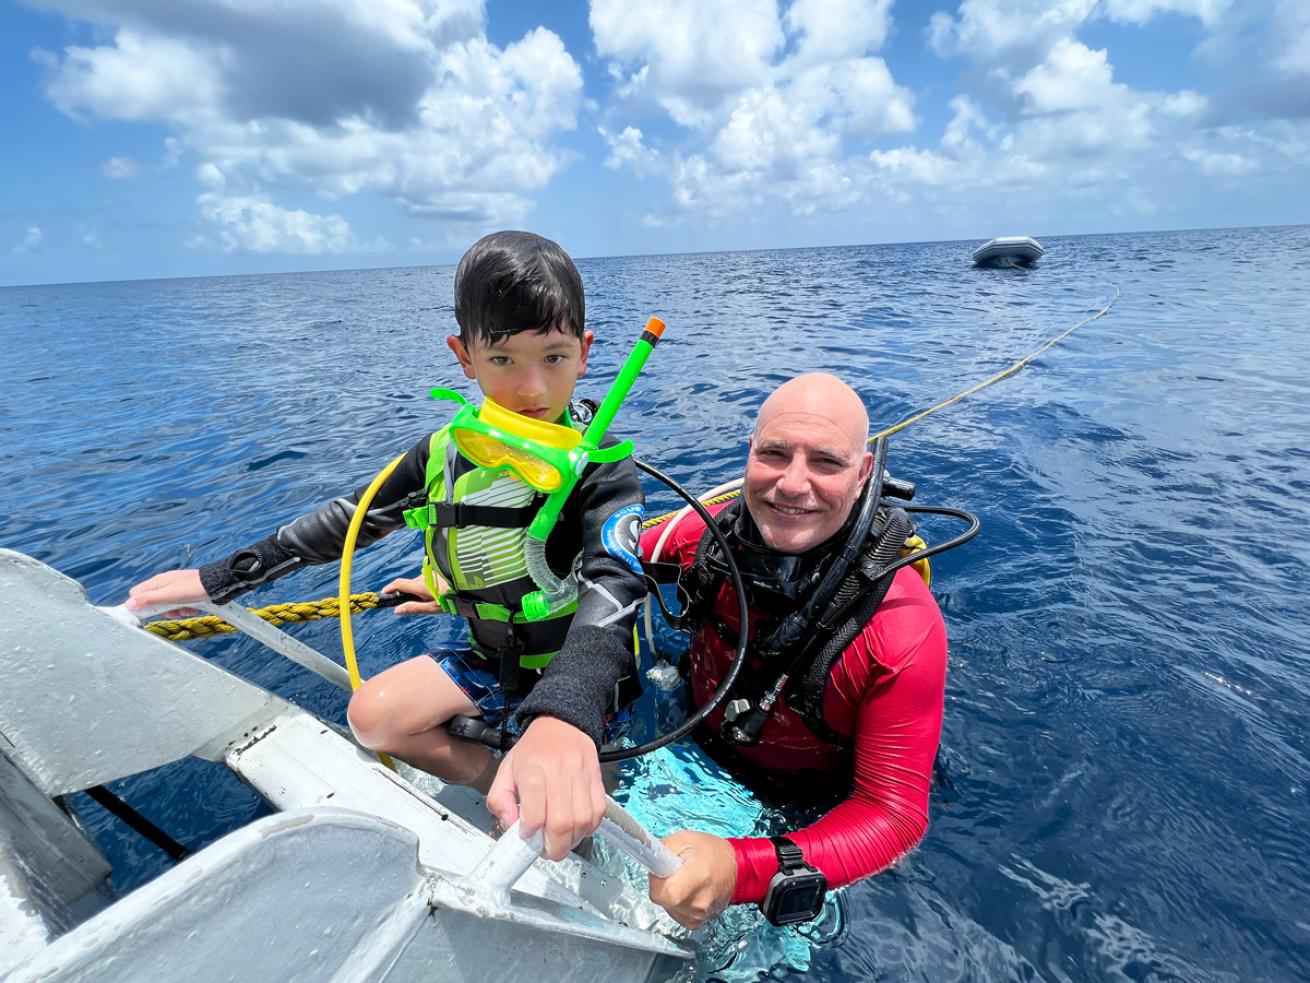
(550, 458)
(553, 593)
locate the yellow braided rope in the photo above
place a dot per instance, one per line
(275, 614)
(897, 428)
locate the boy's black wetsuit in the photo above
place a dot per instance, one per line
(594, 671)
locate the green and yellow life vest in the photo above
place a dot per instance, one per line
(474, 525)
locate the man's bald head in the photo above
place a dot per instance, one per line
(819, 394)
(809, 460)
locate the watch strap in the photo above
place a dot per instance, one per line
(790, 856)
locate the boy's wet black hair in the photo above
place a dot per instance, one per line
(510, 282)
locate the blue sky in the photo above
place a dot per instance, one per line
(152, 138)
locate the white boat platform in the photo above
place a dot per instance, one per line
(360, 875)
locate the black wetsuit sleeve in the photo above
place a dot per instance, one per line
(319, 536)
(583, 681)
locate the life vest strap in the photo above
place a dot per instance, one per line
(458, 515)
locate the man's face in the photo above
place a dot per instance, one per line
(532, 373)
(803, 476)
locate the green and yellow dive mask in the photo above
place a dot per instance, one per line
(493, 437)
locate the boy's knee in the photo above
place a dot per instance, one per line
(369, 718)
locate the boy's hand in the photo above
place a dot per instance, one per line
(702, 887)
(554, 773)
(418, 587)
(170, 587)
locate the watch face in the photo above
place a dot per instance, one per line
(797, 899)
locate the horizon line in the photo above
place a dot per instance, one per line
(694, 252)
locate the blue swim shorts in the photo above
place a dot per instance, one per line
(472, 674)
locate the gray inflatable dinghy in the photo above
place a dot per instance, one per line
(1008, 251)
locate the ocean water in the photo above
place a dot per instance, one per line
(1123, 780)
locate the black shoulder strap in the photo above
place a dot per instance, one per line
(457, 515)
(708, 571)
(869, 587)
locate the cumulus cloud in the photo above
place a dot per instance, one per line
(402, 98)
(253, 223)
(1141, 11)
(628, 149)
(30, 242)
(804, 113)
(1045, 106)
(1292, 57)
(834, 29)
(676, 55)
(119, 168)
(1014, 28)
(1073, 77)
(778, 109)
(1220, 164)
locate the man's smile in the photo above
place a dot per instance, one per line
(794, 510)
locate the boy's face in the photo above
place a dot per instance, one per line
(528, 372)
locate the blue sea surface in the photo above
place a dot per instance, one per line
(1122, 791)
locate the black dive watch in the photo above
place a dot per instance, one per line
(797, 890)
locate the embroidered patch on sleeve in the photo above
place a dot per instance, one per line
(621, 535)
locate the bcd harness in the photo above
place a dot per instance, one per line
(818, 641)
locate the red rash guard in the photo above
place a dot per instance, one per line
(886, 693)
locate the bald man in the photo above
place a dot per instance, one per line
(881, 702)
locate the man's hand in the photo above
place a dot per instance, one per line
(419, 588)
(554, 774)
(703, 886)
(172, 587)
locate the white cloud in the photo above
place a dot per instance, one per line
(779, 108)
(137, 78)
(172, 153)
(1185, 104)
(1141, 11)
(1072, 77)
(255, 224)
(628, 149)
(988, 28)
(119, 168)
(834, 29)
(798, 117)
(680, 54)
(1293, 23)
(1220, 164)
(1045, 107)
(402, 98)
(30, 241)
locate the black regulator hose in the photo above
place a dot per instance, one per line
(743, 636)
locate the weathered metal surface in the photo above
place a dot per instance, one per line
(87, 699)
(51, 875)
(325, 894)
(365, 892)
(301, 762)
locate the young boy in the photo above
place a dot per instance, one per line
(520, 308)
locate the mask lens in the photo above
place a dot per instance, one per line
(488, 452)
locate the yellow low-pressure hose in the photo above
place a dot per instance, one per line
(343, 584)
